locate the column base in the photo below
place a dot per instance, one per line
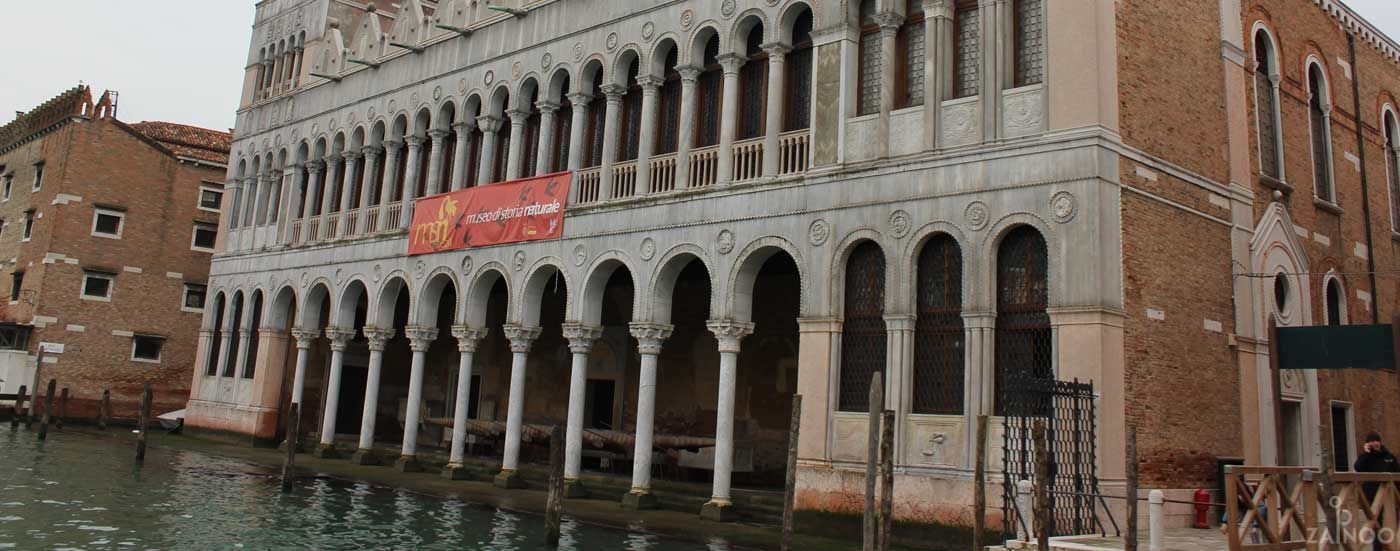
(573, 489)
(408, 464)
(455, 472)
(509, 480)
(365, 457)
(327, 451)
(638, 500)
(718, 511)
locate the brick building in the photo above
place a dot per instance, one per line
(106, 231)
(782, 197)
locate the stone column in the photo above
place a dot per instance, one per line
(777, 87)
(267, 78)
(486, 163)
(263, 209)
(378, 340)
(686, 140)
(614, 93)
(250, 200)
(990, 90)
(276, 204)
(578, 130)
(410, 180)
(333, 176)
(467, 339)
(581, 338)
(729, 334)
(386, 186)
(459, 155)
(818, 357)
(305, 338)
(245, 340)
(979, 365)
(548, 110)
(646, 143)
(899, 360)
(434, 186)
(521, 339)
(367, 182)
(889, 57)
(206, 344)
(937, 66)
(419, 339)
(235, 213)
(308, 207)
(347, 191)
(291, 203)
(296, 67)
(515, 156)
(225, 348)
(340, 338)
(729, 116)
(650, 337)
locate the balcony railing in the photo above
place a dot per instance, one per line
(663, 173)
(704, 166)
(794, 148)
(393, 216)
(351, 219)
(294, 232)
(313, 230)
(369, 219)
(748, 159)
(624, 180)
(588, 184)
(331, 227)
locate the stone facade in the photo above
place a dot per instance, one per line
(1093, 184)
(65, 163)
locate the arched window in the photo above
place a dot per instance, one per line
(563, 130)
(799, 78)
(531, 140)
(449, 153)
(938, 329)
(967, 50)
(870, 62)
(250, 362)
(1266, 106)
(597, 121)
(863, 330)
(1030, 45)
(709, 89)
(473, 167)
(211, 360)
(1336, 303)
(259, 74)
(753, 86)
(669, 96)
(231, 359)
(913, 48)
(629, 134)
(1392, 167)
(400, 172)
(1318, 104)
(1023, 343)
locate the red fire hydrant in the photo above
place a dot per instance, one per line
(1202, 499)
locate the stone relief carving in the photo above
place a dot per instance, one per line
(612, 41)
(466, 265)
(437, 93)
(648, 249)
(725, 242)
(933, 449)
(1292, 382)
(1025, 113)
(728, 8)
(1063, 206)
(547, 60)
(578, 51)
(977, 215)
(339, 276)
(818, 233)
(900, 224)
(960, 124)
(519, 260)
(414, 100)
(378, 273)
(687, 19)
(648, 31)
(462, 85)
(516, 69)
(580, 255)
(419, 269)
(489, 77)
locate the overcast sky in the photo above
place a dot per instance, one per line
(181, 60)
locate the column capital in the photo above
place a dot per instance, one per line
(580, 98)
(889, 22)
(370, 152)
(547, 107)
(650, 336)
(730, 333)
(206, 333)
(732, 62)
(350, 156)
(272, 331)
(437, 134)
(290, 171)
(489, 124)
(467, 125)
(305, 337)
(900, 322)
(650, 83)
(468, 337)
(581, 337)
(690, 74)
(414, 142)
(315, 167)
(340, 337)
(521, 337)
(614, 92)
(517, 116)
(378, 338)
(392, 145)
(420, 337)
(776, 50)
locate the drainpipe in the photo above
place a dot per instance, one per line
(1365, 187)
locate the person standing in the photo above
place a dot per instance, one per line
(1375, 458)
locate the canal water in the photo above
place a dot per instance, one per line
(83, 492)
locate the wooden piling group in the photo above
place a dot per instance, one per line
(289, 464)
(48, 407)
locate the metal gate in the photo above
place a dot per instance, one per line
(1067, 409)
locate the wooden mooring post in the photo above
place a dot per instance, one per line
(62, 407)
(1130, 535)
(142, 422)
(1042, 486)
(886, 479)
(48, 407)
(870, 529)
(38, 370)
(289, 463)
(979, 482)
(790, 486)
(105, 409)
(19, 403)
(554, 508)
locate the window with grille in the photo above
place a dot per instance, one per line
(912, 51)
(967, 53)
(1321, 146)
(211, 361)
(563, 134)
(597, 122)
(1023, 343)
(1030, 42)
(107, 223)
(870, 62)
(709, 88)
(1265, 107)
(799, 78)
(669, 96)
(210, 199)
(938, 329)
(753, 86)
(863, 329)
(629, 135)
(1392, 171)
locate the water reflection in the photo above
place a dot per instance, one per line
(81, 492)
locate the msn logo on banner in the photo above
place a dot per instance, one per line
(510, 212)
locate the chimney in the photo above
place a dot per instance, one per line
(18, 114)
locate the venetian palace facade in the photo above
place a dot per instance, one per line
(780, 197)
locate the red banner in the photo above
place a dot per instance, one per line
(510, 212)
